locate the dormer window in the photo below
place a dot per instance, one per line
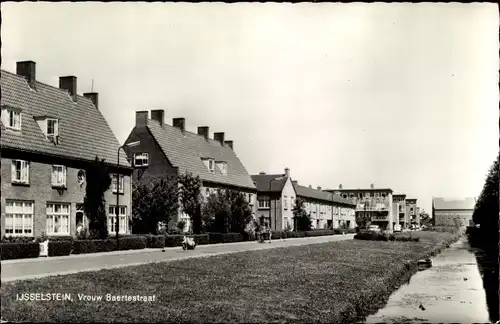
(11, 118)
(141, 159)
(209, 163)
(52, 127)
(222, 167)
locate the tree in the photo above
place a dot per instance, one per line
(216, 213)
(154, 202)
(302, 220)
(98, 182)
(190, 198)
(425, 219)
(363, 219)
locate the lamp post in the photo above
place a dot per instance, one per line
(117, 207)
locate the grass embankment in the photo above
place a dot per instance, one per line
(335, 282)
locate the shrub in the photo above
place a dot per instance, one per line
(181, 225)
(300, 234)
(19, 250)
(351, 230)
(132, 243)
(60, 247)
(276, 235)
(371, 236)
(173, 240)
(93, 246)
(17, 239)
(155, 241)
(321, 232)
(201, 239)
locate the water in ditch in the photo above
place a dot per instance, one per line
(451, 291)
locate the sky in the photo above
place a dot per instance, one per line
(404, 96)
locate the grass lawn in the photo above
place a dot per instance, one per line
(329, 282)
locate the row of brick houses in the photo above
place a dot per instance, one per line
(46, 146)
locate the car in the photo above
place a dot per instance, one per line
(374, 228)
(397, 228)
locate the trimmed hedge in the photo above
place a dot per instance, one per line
(60, 247)
(132, 243)
(155, 241)
(93, 246)
(9, 251)
(201, 239)
(375, 236)
(216, 238)
(173, 240)
(319, 233)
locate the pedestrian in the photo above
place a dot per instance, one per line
(269, 233)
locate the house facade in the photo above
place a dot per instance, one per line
(171, 149)
(453, 212)
(400, 212)
(413, 217)
(326, 209)
(373, 204)
(275, 199)
(50, 137)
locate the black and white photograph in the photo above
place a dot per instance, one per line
(177, 162)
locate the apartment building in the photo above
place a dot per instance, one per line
(447, 212)
(413, 217)
(326, 209)
(275, 198)
(400, 210)
(375, 204)
(50, 137)
(171, 149)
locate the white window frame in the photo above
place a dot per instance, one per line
(59, 175)
(264, 204)
(112, 219)
(51, 213)
(12, 119)
(285, 202)
(121, 185)
(211, 165)
(24, 171)
(143, 157)
(23, 212)
(80, 209)
(56, 126)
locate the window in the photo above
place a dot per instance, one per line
(383, 195)
(250, 199)
(292, 202)
(113, 183)
(18, 218)
(207, 192)
(112, 219)
(263, 203)
(52, 127)
(222, 167)
(80, 177)
(211, 165)
(20, 171)
(141, 159)
(59, 175)
(285, 202)
(12, 119)
(57, 219)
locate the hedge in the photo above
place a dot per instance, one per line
(375, 236)
(173, 240)
(201, 239)
(132, 243)
(93, 246)
(319, 233)
(155, 241)
(216, 238)
(9, 251)
(60, 247)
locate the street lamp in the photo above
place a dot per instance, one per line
(117, 207)
(270, 182)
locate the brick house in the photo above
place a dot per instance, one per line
(49, 138)
(166, 149)
(453, 212)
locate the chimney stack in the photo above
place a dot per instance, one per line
(203, 130)
(372, 186)
(94, 97)
(179, 123)
(319, 188)
(340, 186)
(287, 172)
(295, 182)
(68, 83)
(219, 137)
(141, 118)
(310, 187)
(27, 69)
(262, 173)
(229, 143)
(158, 115)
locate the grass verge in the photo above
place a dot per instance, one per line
(334, 282)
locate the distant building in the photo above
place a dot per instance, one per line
(412, 214)
(375, 204)
(166, 149)
(401, 218)
(453, 212)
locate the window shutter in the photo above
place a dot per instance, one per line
(26, 170)
(13, 170)
(56, 127)
(64, 175)
(54, 175)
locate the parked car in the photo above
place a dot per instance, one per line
(397, 228)
(374, 228)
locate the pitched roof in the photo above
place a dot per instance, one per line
(311, 193)
(262, 181)
(186, 150)
(83, 131)
(360, 190)
(441, 203)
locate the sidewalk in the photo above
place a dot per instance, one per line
(42, 267)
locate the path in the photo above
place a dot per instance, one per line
(43, 267)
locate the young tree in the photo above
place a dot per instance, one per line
(241, 213)
(98, 182)
(302, 220)
(425, 219)
(154, 202)
(216, 213)
(190, 198)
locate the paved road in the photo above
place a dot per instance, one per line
(43, 267)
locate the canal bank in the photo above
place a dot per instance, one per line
(450, 291)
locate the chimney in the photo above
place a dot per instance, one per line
(94, 97)
(262, 173)
(229, 143)
(68, 83)
(27, 69)
(319, 188)
(372, 186)
(141, 118)
(203, 130)
(287, 172)
(295, 182)
(340, 186)
(219, 137)
(310, 186)
(158, 115)
(179, 123)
